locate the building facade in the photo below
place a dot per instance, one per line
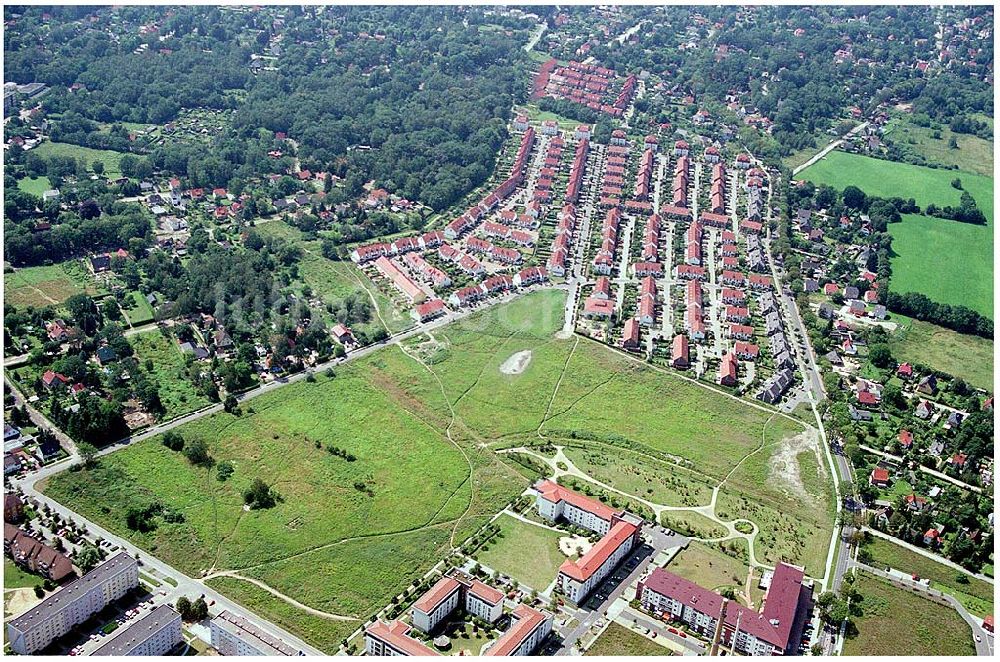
(392, 639)
(76, 602)
(528, 629)
(154, 634)
(578, 578)
(235, 635)
(436, 604)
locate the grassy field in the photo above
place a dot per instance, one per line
(710, 568)
(977, 595)
(965, 356)
(15, 577)
(898, 622)
(634, 473)
(889, 179)
(948, 261)
(323, 633)
(619, 640)
(973, 154)
(35, 185)
(528, 553)
(169, 370)
(47, 285)
(111, 159)
(421, 419)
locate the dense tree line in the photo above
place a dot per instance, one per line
(958, 318)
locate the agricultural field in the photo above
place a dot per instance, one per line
(35, 185)
(973, 154)
(976, 596)
(930, 629)
(965, 356)
(110, 159)
(169, 369)
(619, 640)
(950, 262)
(526, 552)
(47, 285)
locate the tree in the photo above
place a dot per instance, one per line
(88, 452)
(87, 557)
(231, 405)
(197, 453)
(199, 610)
(97, 167)
(854, 197)
(880, 356)
(259, 495)
(225, 470)
(173, 440)
(184, 608)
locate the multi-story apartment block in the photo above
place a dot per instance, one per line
(235, 635)
(56, 615)
(156, 633)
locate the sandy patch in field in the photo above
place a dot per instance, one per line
(568, 545)
(517, 363)
(783, 467)
(19, 600)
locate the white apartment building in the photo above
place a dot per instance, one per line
(435, 605)
(154, 634)
(528, 629)
(56, 615)
(578, 578)
(392, 639)
(555, 501)
(235, 635)
(484, 601)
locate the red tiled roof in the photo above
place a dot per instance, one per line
(589, 563)
(555, 493)
(485, 593)
(438, 593)
(394, 633)
(527, 620)
(880, 475)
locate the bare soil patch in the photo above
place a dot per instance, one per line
(517, 363)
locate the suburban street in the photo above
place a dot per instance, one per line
(829, 148)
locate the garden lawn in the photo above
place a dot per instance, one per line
(898, 622)
(35, 185)
(141, 312)
(170, 371)
(619, 640)
(15, 577)
(526, 552)
(710, 567)
(976, 596)
(47, 285)
(965, 356)
(110, 159)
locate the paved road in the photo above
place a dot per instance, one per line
(829, 148)
(540, 30)
(39, 419)
(930, 555)
(982, 639)
(650, 623)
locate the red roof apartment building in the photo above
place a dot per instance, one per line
(578, 578)
(774, 631)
